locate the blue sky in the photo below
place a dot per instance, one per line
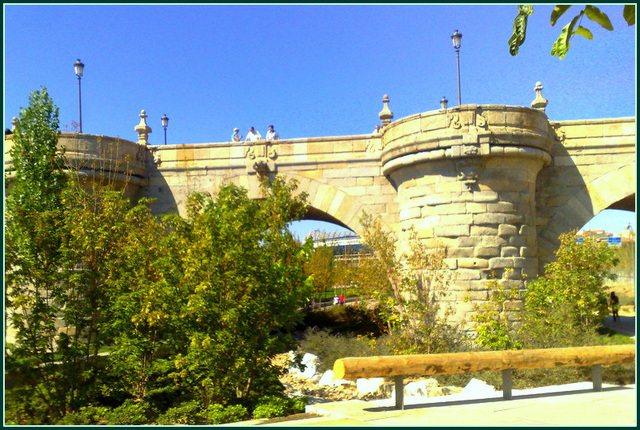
(311, 70)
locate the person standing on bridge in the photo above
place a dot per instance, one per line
(235, 137)
(272, 134)
(253, 135)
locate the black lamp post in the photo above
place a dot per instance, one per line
(79, 69)
(165, 123)
(456, 38)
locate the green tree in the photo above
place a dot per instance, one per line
(497, 320)
(83, 270)
(573, 282)
(627, 255)
(320, 269)
(123, 287)
(246, 286)
(410, 289)
(34, 232)
(574, 27)
(562, 308)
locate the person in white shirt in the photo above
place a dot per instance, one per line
(376, 130)
(272, 134)
(252, 136)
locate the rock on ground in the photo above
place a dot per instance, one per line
(321, 388)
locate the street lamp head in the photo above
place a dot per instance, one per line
(79, 68)
(444, 103)
(165, 120)
(456, 38)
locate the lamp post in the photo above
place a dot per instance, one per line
(456, 38)
(444, 103)
(165, 123)
(79, 69)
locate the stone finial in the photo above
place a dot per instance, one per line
(14, 123)
(385, 115)
(539, 103)
(143, 129)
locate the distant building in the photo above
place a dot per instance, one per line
(345, 245)
(601, 235)
(627, 236)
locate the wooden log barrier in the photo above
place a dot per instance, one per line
(399, 366)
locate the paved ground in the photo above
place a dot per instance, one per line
(626, 325)
(565, 405)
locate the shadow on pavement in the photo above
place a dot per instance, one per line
(494, 399)
(625, 325)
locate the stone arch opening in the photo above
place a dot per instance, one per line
(330, 204)
(613, 190)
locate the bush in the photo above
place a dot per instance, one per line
(574, 283)
(88, 415)
(621, 374)
(328, 348)
(218, 414)
(188, 413)
(129, 413)
(161, 399)
(274, 406)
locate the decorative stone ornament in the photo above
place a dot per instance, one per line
(385, 115)
(539, 103)
(143, 129)
(558, 133)
(469, 170)
(260, 158)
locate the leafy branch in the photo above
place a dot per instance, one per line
(562, 44)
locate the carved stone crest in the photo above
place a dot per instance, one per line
(468, 171)
(260, 157)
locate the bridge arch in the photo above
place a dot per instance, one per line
(326, 202)
(329, 203)
(615, 189)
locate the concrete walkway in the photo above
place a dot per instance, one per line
(565, 405)
(626, 325)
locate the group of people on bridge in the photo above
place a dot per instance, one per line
(254, 135)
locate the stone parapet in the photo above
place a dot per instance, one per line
(466, 131)
(108, 159)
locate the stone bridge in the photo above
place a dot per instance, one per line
(496, 185)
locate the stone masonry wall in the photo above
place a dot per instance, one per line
(593, 168)
(466, 181)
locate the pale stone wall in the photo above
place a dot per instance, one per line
(593, 168)
(342, 175)
(466, 181)
(107, 159)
